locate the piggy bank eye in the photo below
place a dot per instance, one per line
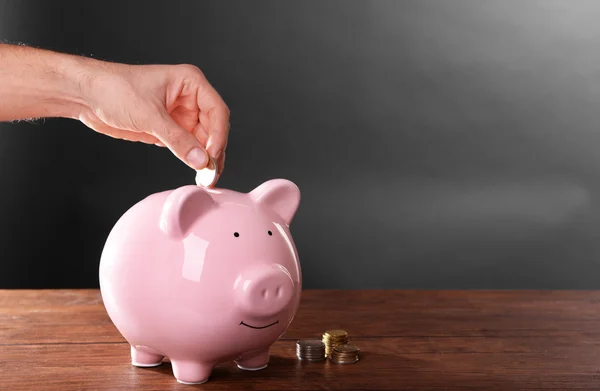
(236, 234)
(270, 233)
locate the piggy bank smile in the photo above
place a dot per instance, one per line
(242, 323)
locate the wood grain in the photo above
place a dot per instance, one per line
(411, 340)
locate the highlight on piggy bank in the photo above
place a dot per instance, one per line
(204, 276)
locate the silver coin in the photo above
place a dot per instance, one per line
(207, 176)
(312, 359)
(310, 343)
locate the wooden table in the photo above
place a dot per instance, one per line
(411, 340)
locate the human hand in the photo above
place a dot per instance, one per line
(167, 105)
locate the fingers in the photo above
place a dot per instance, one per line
(221, 164)
(182, 143)
(218, 131)
(200, 133)
(202, 136)
(214, 117)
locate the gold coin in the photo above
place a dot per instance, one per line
(343, 360)
(336, 333)
(346, 349)
(344, 354)
(332, 338)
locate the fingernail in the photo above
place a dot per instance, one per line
(197, 158)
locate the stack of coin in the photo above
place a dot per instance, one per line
(310, 350)
(331, 338)
(345, 354)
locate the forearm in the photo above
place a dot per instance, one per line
(38, 83)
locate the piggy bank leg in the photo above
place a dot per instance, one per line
(145, 357)
(254, 360)
(188, 372)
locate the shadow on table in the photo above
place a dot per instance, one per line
(229, 371)
(374, 371)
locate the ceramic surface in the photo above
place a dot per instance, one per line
(203, 276)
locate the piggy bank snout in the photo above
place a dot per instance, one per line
(265, 290)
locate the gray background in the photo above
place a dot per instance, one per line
(437, 144)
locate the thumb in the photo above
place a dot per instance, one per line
(182, 143)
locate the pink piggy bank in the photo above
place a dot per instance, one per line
(203, 276)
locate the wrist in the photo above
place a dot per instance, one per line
(77, 74)
(95, 80)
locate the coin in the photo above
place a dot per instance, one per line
(207, 176)
(310, 350)
(332, 338)
(336, 333)
(346, 349)
(311, 343)
(345, 354)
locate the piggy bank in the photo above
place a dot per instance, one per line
(203, 276)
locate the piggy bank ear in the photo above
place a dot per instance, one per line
(279, 195)
(182, 207)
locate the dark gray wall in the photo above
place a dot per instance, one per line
(437, 144)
